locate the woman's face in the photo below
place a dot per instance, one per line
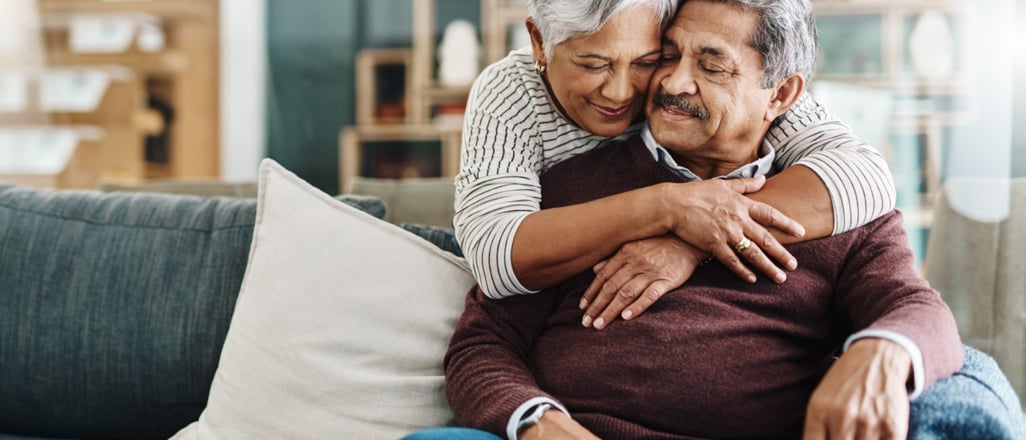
(599, 80)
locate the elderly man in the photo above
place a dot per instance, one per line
(835, 352)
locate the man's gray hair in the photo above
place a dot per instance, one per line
(786, 37)
(561, 20)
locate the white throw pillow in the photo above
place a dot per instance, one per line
(340, 326)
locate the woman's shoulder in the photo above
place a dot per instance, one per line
(511, 77)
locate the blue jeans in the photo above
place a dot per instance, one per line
(451, 434)
(977, 402)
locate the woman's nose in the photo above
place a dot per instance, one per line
(619, 89)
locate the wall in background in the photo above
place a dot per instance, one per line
(1019, 112)
(311, 46)
(243, 88)
(983, 147)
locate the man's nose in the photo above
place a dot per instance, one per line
(618, 89)
(680, 81)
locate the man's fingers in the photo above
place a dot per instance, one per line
(767, 215)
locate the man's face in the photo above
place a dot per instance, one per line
(706, 97)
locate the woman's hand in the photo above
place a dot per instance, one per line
(716, 217)
(635, 277)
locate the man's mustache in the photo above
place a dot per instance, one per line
(680, 102)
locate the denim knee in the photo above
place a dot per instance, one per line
(451, 434)
(976, 402)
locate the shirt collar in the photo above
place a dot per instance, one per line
(763, 166)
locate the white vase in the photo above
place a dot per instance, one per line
(931, 45)
(459, 54)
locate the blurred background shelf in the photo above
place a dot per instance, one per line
(159, 117)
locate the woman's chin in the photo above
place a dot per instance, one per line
(608, 128)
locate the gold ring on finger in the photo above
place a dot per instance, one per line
(743, 245)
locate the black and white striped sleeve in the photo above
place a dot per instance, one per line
(498, 184)
(856, 174)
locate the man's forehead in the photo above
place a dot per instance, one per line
(719, 29)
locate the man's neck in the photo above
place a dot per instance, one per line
(706, 162)
(713, 167)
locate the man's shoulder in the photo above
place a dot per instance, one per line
(887, 230)
(892, 222)
(609, 169)
(613, 152)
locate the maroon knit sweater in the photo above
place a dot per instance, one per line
(715, 358)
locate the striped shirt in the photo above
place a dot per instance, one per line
(513, 133)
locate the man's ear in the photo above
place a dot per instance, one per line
(786, 94)
(537, 47)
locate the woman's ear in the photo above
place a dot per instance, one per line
(537, 46)
(786, 93)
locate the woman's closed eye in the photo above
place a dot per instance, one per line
(594, 67)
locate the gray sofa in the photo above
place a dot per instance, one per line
(115, 307)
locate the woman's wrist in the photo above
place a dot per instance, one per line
(661, 197)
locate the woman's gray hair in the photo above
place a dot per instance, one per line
(561, 20)
(786, 37)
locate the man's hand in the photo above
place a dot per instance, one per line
(716, 217)
(556, 425)
(863, 395)
(635, 277)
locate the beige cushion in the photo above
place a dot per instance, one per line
(976, 258)
(340, 327)
(426, 201)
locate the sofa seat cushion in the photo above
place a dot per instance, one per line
(115, 308)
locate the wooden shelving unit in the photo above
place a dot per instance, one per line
(498, 18)
(432, 111)
(184, 75)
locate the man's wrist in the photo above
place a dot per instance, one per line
(525, 411)
(917, 375)
(889, 355)
(533, 416)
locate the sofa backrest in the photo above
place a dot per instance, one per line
(975, 259)
(115, 307)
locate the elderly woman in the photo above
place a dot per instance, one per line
(582, 82)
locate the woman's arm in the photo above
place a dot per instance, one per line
(552, 245)
(842, 184)
(641, 272)
(858, 183)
